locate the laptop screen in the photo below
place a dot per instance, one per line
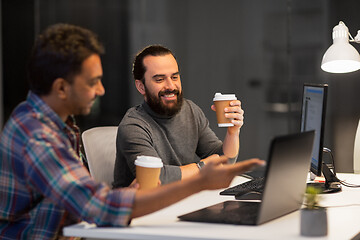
(285, 183)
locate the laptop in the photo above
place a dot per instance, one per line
(285, 183)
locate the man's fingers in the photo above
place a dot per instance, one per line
(247, 165)
(222, 160)
(216, 159)
(235, 103)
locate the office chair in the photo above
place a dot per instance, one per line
(100, 150)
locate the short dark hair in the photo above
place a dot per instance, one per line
(152, 50)
(59, 53)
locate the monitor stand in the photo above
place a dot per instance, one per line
(332, 183)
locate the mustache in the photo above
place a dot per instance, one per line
(166, 92)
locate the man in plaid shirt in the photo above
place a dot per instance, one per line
(43, 183)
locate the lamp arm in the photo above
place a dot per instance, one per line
(357, 37)
(351, 38)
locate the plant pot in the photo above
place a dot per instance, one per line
(313, 222)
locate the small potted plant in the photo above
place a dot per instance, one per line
(313, 217)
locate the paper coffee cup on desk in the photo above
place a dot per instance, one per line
(222, 101)
(148, 171)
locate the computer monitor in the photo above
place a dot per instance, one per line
(313, 114)
(313, 118)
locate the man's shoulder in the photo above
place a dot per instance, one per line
(192, 106)
(24, 116)
(25, 123)
(135, 115)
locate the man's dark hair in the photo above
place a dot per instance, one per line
(152, 50)
(59, 53)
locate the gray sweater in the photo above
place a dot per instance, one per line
(179, 140)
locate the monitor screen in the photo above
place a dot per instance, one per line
(313, 118)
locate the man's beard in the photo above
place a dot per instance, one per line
(156, 104)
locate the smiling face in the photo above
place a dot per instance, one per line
(162, 85)
(85, 87)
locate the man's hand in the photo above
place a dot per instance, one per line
(218, 174)
(236, 113)
(214, 157)
(135, 184)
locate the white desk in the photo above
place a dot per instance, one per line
(343, 222)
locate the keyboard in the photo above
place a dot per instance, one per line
(256, 185)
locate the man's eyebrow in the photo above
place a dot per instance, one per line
(158, 75)
(96, 78)
(163, 75)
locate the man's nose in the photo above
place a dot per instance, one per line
(100, 90)
(170, 83)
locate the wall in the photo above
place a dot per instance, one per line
(251, 48)
(17, 39)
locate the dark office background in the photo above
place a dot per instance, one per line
(261, 50)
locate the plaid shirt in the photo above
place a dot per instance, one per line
(43, 183)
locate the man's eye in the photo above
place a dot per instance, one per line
(94, 82)
(175, 77)
(159, 79)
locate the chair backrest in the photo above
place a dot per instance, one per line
(100, 149)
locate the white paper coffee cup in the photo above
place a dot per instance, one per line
(222, 101)
(148, 170)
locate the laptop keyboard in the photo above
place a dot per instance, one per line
(256, 185)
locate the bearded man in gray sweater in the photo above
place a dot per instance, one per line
(168, 126)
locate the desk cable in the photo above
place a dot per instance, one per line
(327, 150)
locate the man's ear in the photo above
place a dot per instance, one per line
(140, 86)
(60, 88)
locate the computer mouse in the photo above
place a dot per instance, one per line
(252, 195)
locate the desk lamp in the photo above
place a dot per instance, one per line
(341, 56)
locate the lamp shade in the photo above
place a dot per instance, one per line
(341, 57)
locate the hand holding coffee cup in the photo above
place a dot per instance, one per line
(148, 171)
(228, 110)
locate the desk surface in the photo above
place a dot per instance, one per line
(343, 220)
